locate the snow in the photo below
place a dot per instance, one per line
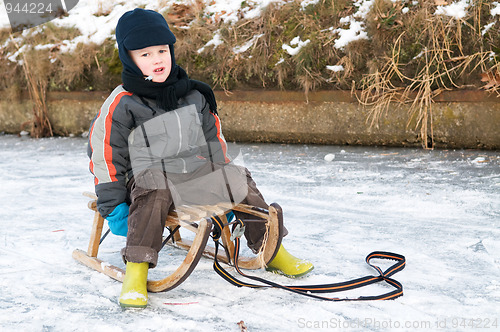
(356, 25)
(231, 11)
(364, 7)
(441, 209)
(215, 41)
(306, 3)
(354, 32)
(228, 8)
(486, 28)
(495, 10)
(329, 157)
(298, 43)
(245, 47)
(335, 68)
(457, 10)
(133, 296)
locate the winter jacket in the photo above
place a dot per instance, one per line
(129, 127)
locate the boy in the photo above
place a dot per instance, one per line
(157, 142)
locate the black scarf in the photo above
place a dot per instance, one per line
(166, 94)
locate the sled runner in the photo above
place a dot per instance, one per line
(198, 220)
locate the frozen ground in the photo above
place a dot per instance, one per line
(441, 209)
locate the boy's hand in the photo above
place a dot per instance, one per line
(117, 220)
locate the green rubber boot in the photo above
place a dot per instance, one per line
(288, 265)
(134, 290)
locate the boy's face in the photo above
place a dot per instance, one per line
(153, 61)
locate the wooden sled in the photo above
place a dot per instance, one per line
(195, 219)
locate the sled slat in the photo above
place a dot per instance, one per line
(246, 209)
(213, 210)
(192, 211)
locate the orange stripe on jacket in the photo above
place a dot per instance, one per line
(108, 150)
(220, 137)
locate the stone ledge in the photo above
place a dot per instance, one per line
(461, 119)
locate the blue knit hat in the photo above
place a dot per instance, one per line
(138, 29)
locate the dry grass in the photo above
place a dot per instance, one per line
(39, 70)
(37, 86)
(88, 67)
(409, 58)
(447, 60)
(265, 64)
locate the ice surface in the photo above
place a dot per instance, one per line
(441, 209)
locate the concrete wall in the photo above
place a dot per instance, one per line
(461, 119)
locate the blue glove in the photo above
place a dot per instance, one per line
(230, 216)
(117, 220)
